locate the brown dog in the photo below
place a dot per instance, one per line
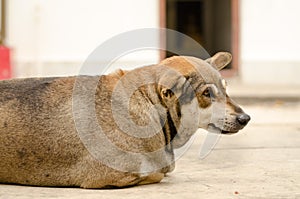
(113, 130)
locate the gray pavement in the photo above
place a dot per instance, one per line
(262, 161)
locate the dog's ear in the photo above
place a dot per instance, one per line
(220, 60)
(175, 86)
(167, 94)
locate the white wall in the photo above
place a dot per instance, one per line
(54, 37)
(270, 41)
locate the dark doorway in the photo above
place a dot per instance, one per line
(210, 22)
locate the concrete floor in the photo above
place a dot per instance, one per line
(262, 161)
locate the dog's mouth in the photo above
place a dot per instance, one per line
(214, 129)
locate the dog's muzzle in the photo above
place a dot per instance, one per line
(233, 127)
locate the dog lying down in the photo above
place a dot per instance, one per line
(113, 130)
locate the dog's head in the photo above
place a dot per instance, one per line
(200, 91)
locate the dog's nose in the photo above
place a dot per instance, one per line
(243, 119)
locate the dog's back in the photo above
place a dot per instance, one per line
(35, 122)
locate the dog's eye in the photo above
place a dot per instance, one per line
(208, 93)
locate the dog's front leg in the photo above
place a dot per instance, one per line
(152, 178)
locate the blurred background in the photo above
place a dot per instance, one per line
(54, 37)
